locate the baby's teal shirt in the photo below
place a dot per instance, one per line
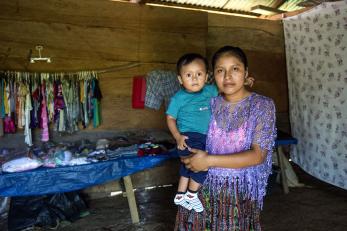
(192, 110)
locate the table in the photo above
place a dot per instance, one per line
(282, 140)
(70, 178)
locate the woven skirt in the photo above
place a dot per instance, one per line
(224, 210)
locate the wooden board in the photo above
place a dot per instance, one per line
(263, 43)
(94, 35)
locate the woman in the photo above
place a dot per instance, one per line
(239, 145)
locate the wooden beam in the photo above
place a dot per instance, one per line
(287, 14)
(266, 10)
(202, 8)
(278, 3)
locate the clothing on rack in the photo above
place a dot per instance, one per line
(27, 131)
(44, 114)
(34, 100)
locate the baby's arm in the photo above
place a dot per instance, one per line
(180, 139)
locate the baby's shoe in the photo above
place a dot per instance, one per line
(193, 200)
(180, 200)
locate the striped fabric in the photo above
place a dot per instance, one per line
(160, 86)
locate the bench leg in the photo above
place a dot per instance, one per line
(131, 199)
(284, 180)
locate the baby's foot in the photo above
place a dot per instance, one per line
(193, 200)
(180, 200)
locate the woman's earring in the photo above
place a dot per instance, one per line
(249, 81)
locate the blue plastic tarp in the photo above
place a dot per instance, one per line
(70, 178)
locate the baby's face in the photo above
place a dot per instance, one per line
(193, 76)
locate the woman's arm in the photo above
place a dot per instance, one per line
(200, 160)
(252, 157)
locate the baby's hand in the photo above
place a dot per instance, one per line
(181, 142)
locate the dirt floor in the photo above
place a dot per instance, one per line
(317, 206)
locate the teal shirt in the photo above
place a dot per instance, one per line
(192, 110)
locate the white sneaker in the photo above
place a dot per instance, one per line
(180, 200)
(193, 200)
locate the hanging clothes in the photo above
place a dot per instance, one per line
(160, 86)
(27, 131)
(6, 97)
(9, 126)
(50, 98)
(59, 106)
(12, 103)
(34, 88)
(22, 92)
(1, 127)
(64, 99)
(44, 114)
(86, 104)
(97, 96)
(2, 105)
(75, 105)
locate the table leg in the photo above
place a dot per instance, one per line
(280, 156)
(131, 199)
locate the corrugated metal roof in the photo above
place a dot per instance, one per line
(291, 5)
(241, 6)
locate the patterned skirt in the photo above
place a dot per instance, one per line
(224, 210)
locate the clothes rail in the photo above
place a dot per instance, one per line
(79, 73)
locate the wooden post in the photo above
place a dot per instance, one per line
(280, 156)
(131, 199)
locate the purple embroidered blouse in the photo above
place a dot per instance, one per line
(234, 128)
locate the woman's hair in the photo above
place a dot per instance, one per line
(189, 58)
(230, 50)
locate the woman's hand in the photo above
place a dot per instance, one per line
(197, 161)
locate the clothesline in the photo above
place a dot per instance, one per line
(78, 73)
(25, 76)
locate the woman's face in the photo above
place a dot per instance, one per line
(230, 74)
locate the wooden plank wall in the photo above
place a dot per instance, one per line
(94, 35)
(263, 43)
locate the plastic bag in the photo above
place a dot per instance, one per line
(21, 164)
(4, 207)
(44, 211)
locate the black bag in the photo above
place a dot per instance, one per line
(44, 211)
(4, 207)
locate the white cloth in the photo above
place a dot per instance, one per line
(21, 164)
(27, 130)
(316, 52)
